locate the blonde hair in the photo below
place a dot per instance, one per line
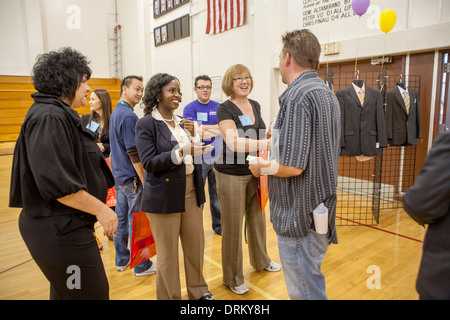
(230, 74)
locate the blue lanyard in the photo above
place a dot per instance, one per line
(126, 104)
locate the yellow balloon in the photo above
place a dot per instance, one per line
(387, 20)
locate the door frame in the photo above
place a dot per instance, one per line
(440, 76)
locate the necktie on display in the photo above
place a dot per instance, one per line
(407, 101)
(361, 96)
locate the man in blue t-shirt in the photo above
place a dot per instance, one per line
(203, 110)
(127, 170)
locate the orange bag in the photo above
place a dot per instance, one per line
(111, 197)
(143, 245)
(263, 185)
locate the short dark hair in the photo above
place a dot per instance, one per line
(126, 82)
(153, 90)
(303, 46)
(60, 72)
(202, 77)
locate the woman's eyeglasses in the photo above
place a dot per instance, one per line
(241, 79)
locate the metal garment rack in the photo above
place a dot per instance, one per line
(117, 44)
(369, 185)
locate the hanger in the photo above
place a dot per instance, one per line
(358, 82)
(401, 83)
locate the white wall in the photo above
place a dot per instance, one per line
(20, 35)
(32, 27)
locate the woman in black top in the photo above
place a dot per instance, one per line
(60, 179)
(97, 121)
(243, 131)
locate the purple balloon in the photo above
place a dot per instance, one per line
(360, 6)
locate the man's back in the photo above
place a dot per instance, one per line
(306, 136)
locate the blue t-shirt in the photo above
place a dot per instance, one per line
(205, 114)
(122, 138)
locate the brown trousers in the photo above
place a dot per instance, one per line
(235, 194)
(167, 230)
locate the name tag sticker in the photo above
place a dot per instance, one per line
(245, 120)
(93, 126)
(202, 116)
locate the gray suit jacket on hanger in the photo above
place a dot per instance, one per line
(402, 129)
(363, 126)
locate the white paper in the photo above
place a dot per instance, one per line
(320, 215)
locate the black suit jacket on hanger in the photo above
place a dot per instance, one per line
(363, 126)
(402, 129)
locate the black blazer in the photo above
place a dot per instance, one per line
(402, 129)
(165, 179)
(362, 127)
(428, 202)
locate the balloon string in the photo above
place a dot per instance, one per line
(384, 49)
(328, 41)
(357, 46)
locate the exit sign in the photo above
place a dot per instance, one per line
(331, 48)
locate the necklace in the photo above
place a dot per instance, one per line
(166, 120)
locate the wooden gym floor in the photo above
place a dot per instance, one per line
(393, 249)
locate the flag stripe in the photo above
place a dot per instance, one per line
(224, 15)
(208, 22)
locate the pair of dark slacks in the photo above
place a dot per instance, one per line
(65, 249)
(168, 230)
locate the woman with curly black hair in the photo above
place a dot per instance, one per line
(173, 189)
(60, 179)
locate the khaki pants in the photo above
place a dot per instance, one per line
(167, 230)
(235, 194)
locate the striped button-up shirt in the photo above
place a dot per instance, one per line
(306, 135)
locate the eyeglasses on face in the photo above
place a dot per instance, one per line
(204, 87)
(241, 79)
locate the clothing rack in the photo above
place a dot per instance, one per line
(369, 185)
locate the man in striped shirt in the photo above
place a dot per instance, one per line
(303, 166)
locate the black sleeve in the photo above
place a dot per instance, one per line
(429, 198)
(56, 174)
(152, 159)
(224, 113)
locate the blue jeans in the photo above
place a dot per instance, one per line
(214, 205)
(301, 260)
(126, 197)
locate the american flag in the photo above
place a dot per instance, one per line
(224, 15)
